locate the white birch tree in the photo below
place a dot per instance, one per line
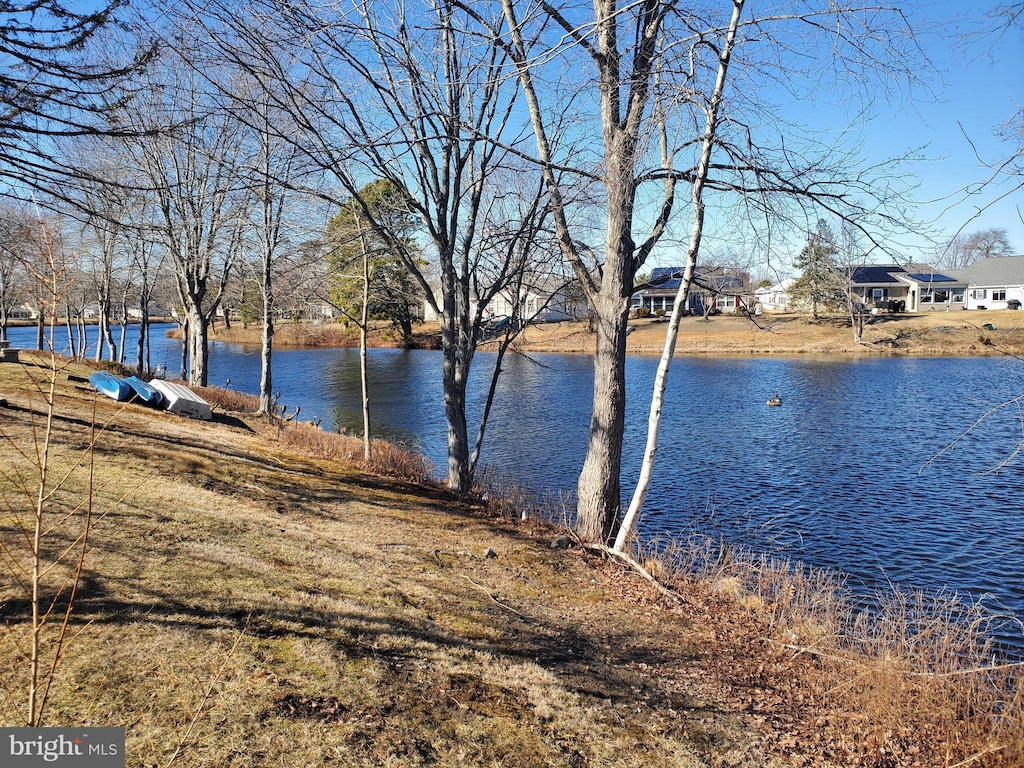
(651, 69)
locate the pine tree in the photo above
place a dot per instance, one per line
(821, 283)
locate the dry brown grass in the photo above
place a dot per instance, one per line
(306, 334)
(386, 459)
(927, 333)
(907, 679)
(229, 399)
(256, 601)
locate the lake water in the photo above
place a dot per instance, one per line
(850, 473)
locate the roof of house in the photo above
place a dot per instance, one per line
(931, 277)
(997, 271)
(782, 287)
(669, 278)
(875, 273)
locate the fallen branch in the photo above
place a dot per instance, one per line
(627, 560)
(495, 600)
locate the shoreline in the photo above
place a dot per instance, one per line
(932, 334)
(935, 334)
(353, 611)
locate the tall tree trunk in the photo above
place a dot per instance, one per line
(267, 369)
(198, 349)
(83, 335)
(121, 349)
(100, 340)
(454, 381)
(185, 335)
(40, 330)
(661, 379)
(598, 490)
(67, 324)
(141, 364)
(364, 320)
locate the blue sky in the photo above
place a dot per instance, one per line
(980, 88)
(976, 86)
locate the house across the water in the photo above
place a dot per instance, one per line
(996, 283)
(913, 288)
(712, 288)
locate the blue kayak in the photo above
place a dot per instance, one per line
(143, 392)
(108, 384)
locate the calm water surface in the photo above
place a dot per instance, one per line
(850, 473)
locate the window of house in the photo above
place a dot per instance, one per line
(999, 295)
(979, 293)
(926, 295)
(958, 295)
(879, 293)
(942, 296)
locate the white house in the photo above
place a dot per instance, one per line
(774, 298)
(544, 300)
(996, 283)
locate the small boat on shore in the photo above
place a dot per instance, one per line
(183, 401)
(144, 392)
(110, 385)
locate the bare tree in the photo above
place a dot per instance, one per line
(699, 183)
(273, 172)
(653, 69)
(15, 229)
(105, 206)
(54, 82)
(353, 258)
(191, 153)
(414, 97)
(966, 248)
(147, 259)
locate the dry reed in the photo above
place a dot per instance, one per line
(506, 496)
(904, 679)
(229, 399)
(387, 459)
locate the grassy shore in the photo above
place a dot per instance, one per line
(253, 596)
(927, 333)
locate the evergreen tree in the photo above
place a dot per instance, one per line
(393, 293)
(822, 282)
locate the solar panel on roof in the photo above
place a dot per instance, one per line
(873, 275)
(930, 278)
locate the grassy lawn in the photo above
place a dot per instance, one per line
(247, 601)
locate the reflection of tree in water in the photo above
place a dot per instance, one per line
(406, 406)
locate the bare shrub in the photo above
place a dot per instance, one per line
(229, 399)
(388, 460)
(508, 497)
(907, 678)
